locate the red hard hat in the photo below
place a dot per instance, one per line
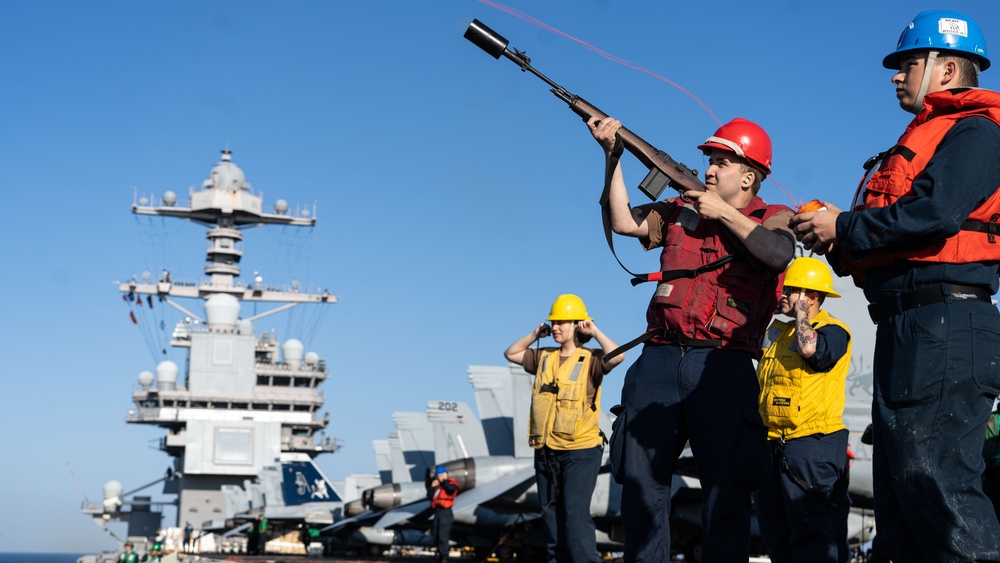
(746, 139)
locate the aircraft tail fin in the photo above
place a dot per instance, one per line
(494, 399)
(457, 432)
(302, 482)
(502, 395)
(383, 460)
(416, 437)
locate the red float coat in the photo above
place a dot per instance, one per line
(733, 303)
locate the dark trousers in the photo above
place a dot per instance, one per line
(566, 480)
(937, 371)
(253, 542)
(991, 486)
(708, 396)
(444, 518)
(800, 525)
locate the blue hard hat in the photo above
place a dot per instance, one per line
(439, 470)
(943, 30)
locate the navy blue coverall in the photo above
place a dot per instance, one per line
(937, 366)
(673, 394)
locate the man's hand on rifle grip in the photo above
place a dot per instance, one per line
(604, 130)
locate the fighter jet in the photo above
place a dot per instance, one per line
(447, 430)
(498, 508)
(288, 492)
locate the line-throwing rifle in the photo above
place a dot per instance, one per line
(663, 170)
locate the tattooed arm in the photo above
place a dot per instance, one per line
(805, 336)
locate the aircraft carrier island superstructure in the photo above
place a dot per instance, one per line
(242, 399)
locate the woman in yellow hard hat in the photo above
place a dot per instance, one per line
(563, 425)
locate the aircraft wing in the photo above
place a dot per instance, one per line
(482, 493)
(402, 513)
(236, 530)
(364, 517)
(467, 500)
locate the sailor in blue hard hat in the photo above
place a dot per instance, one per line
(442, 491)
(939, 33)
(920, 239)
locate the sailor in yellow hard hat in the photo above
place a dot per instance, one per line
(802, 507)
(563, 424)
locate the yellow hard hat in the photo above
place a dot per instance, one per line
(568, 307)
(809, 273)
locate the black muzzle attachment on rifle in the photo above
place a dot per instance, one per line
(486, 39)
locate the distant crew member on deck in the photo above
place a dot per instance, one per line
(442, 491)
(128, 556)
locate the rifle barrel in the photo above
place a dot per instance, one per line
(496, 46)
(680, 177)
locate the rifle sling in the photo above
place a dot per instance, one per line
(988, 227)
(669, 335)
(667, 275)
(609, 170)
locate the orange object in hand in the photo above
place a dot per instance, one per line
(814, 205)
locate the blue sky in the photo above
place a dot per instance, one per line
(456, 197)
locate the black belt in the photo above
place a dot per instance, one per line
(894, 304)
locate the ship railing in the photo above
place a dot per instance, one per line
(327, 444)
(281, 368)
(292, 287)
(150, 200)
(154, 409)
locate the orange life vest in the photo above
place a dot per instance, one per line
(976, 241)
(441, 498)
(733, 303)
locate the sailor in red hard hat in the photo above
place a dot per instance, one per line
(695, 379)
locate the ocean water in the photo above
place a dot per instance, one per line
(39, 557)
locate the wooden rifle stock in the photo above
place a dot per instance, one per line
(663, 170)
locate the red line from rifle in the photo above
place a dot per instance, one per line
(618, 60)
